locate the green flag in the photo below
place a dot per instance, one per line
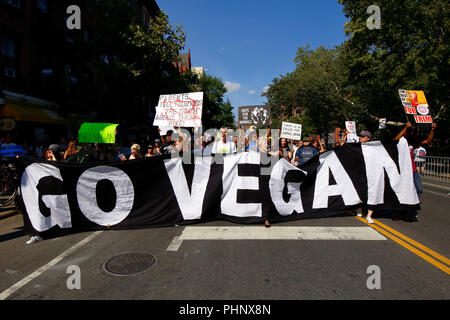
(97, 132)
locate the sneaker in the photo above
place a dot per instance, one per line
(267, 224)
(369, 220)
(34, 239)
(412, 218)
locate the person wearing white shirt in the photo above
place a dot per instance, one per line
(223, 145)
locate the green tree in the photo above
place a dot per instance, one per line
(410, 51)
(216, 112)
(315, 93)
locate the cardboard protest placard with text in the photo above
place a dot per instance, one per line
(179, 110)
(254, 115)
(416, 106)
(291, 131)
(352, 136)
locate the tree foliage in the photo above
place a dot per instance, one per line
(216, 112)
(359, 79)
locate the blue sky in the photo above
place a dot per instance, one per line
(247, 43)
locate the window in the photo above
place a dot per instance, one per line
(15, 3)
(42, 5)
(8, 48)
(8, 52)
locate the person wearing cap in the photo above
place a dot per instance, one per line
(52, 153)
(365, 136)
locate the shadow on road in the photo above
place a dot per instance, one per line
(12, 235)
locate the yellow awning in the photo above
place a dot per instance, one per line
(31, 113)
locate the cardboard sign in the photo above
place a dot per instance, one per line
(97, 133)
(352, 136)
(291, 131)
(179, 110)
(254, 115)
(416, 106)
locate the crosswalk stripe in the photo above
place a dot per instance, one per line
(274, 233)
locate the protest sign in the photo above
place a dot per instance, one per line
(97, 133)
(163, 130)
(352, 136)
(291, 131)
(179, 110)
(254, 115)
(416, 106)
(11, 150)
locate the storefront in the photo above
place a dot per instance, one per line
(31, 119)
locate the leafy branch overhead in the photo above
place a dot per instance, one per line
(359, 79)
(161, 42)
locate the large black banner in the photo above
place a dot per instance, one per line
(249, 187)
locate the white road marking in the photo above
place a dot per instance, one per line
(436, 186)
(5, 294)
(436, 193)
(274, 233)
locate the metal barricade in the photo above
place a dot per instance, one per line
(434, 168)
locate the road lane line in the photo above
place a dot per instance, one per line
(436, 193)
(274, 233)
(5, 294)
(407, 246)
(175, 244)
(415, 243)
(436, 186)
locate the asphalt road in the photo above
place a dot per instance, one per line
(411, 257)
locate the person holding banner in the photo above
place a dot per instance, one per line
(305, 153)
(318, 145)
(135, 152)
(415, 141)
(223, 145)
(253, 142)
(285, 152)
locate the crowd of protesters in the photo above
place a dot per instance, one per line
(297, 152)
(226, 141)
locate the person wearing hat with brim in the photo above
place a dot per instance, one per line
(365, 136)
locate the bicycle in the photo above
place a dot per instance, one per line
(8, 182)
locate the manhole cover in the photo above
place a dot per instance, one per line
(129, 263)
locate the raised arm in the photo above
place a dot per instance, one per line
(430, 135)
(402, 133)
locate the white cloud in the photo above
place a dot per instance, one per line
(265, 89)
(232, 86)
(251, 91)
